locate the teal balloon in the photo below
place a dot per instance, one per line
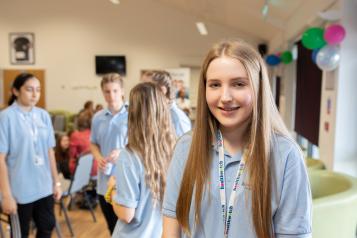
(313, 38)
(286, 57)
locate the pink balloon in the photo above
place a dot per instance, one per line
(334, 34)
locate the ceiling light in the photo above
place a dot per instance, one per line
(265, 9)
(201, 28)
(115, 1)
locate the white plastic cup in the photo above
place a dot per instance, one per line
(108, 169)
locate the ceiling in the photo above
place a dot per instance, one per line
(245, 16)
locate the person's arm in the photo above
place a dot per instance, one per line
(171, 228)
(57, 191)
(98, 156)
(8, 202)
(125, 214)
(293, 216)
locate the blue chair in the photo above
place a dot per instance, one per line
(78, 183)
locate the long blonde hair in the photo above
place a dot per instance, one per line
(265, 121)
(150, 134)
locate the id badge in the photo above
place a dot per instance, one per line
(38, 160)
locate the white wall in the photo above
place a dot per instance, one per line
(68, 34)
(345, 146)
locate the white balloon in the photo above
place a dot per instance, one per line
(328, 57)
(332, 15)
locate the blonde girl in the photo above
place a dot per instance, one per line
(140, 171)
(239, 174)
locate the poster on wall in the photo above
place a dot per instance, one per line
(22, 48)
(181, 80)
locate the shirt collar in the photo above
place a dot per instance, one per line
(122, 110)
(228, 157)
(19, 109)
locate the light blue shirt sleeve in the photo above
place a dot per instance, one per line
(293, 215)
(51, 134)
(94, 129)
(174, 176)
(127, 175)
(4, 134)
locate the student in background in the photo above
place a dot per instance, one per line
(98, 108)
(240, 174)
(108, 136)
(29, 181)
(80, 142)
(62, 155)
(140, 172)
(183, 103)
(88, 108)
(180, 120)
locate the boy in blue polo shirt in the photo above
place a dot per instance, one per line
(108, 136)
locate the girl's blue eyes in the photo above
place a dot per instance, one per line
(216, 85)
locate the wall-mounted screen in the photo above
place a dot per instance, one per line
(110, 64)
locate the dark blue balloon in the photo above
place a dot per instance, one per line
(314, 54)
(272, 60)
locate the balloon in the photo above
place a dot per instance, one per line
(313, 38)
(286, 57)
(332, 15)
(334, 34)
(328, 57)
(272, 60)
(314, 55)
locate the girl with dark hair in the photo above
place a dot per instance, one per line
(62, 155)
(239, 174)
(29, 180)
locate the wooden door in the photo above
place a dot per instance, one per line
(11, 74)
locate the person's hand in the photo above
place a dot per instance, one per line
(57, 192)
(113, 156)
(111, 182)
(102, 163)
(8, 205)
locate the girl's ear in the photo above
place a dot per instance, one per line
(163, 89)
(15, 92)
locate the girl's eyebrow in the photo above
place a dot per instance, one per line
(236, 78)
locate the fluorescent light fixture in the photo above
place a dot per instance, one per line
(115, 1)
(201, 28)
(265, 10)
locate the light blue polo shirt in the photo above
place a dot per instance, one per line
(180, 120)
(132, 192)
(28, 181)
(290, 198)
(109, 132)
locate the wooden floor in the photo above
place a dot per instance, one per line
(82, 224)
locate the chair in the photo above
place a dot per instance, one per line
(64, 125)
(13, 221)
(80, 180)
(312, 164)
(334, 204)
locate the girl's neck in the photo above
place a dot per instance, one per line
(234, 140)
(23, 107)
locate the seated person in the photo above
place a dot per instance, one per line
(80, 142)
(62, 155)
